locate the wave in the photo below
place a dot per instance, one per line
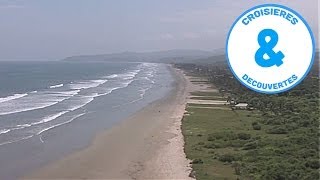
(9, 98)
(49, 118)
(34, 101)
(73, 104)
(43, 99)
(82, 100)
(23, 125)
(87, 84)
(56, 125)
(129, 75)
(79, 102)
(44, 120)
(142, 94)
(16, 140)
(111, 76)
(148, 79)
(70, 100)
(4, 131)
(43, 130)
(56, 86)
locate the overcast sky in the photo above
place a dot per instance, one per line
(54, 29)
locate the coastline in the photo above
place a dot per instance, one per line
(147, 145)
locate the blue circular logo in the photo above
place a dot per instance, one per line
(270, 48)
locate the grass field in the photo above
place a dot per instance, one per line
(216, 139)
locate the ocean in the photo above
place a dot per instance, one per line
(50, 109)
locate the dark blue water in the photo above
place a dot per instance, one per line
(50, 109)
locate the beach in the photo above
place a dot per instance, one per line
(147, 145)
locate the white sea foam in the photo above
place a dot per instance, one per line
(56, 125)
(43, 120)
(34, 101)
(125, 76)
(9, 98)
(112, 76)
(73, 99)
(4, 131)
(87, 84)
(56, 86)
(16, 140)
(23, 125)
(66, 93)
(142, 94)
(79, 102)
(129, 75)
(50, 118)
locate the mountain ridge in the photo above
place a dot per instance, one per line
(168, 56)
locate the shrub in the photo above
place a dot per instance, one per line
(250, 145)
(211, 138)
(256, 127)
(200, 143)
(214, 145)
(227, 158)
(277, 130)
(313, 164)
(244, 136)
(197, 161)
(237, 143)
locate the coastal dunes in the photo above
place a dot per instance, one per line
(148, 145)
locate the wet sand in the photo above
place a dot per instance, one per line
(148, 145)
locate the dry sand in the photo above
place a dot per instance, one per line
(148, 145)
(213, 102)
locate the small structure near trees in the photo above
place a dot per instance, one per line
(241, 106)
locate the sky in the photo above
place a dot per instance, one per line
(55, 29)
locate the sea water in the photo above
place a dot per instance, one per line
(50, 109)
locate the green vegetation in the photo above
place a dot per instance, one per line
(277, 140)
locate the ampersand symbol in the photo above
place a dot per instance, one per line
(267, 48)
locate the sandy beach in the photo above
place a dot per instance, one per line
(147, 145)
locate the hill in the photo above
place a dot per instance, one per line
(170, 56)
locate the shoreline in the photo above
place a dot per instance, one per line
(147, 145)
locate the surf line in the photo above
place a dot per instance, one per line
(280, 85)
(57, 125)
